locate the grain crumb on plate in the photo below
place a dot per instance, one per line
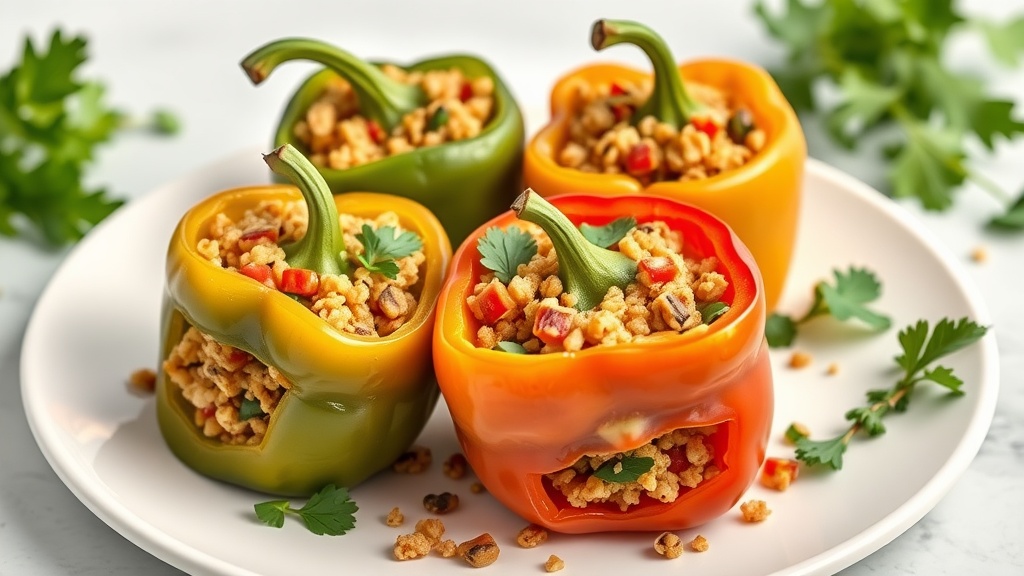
(554, 564)
(411, 546)
(979, 254)
(455, 466)
(415, 460)
(754, 511)
(800, 360)
(531, 536)
(477, 488)
(394, 518)
(699, 544)
(832, 369)
(668, 545)
(143, 380)
(480, 551)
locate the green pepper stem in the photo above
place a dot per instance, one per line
(669, 101)
(381, 98)
(586, 270)
(322, 248)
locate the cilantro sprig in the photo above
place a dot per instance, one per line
(846, 299)
(51, 123)
(627, 469)
(885, 59)
(383, 246)
(920, 351)
(609, 234)
(330, 511)
(503, 250)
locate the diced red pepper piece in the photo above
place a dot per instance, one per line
(677, 459)
(616, 89)
(300, 282)
(552, 323)
(494, 302)
(237, 359)
(375, 131)
(640, 160)
(210, 411)
(465, 92)
(658, 269)
(622, 112)
(251, 238)
(260, 273)
(705, 125)
(779, 473)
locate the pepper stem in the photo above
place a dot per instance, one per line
(322, 249)
(586, 270)
(381, 98)
(669, 101)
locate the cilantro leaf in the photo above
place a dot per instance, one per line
(945, 377)
(995, 117)
(1005, 40)
(502, 251)
(250, 408)
(628, 469)
(869, 420)
(510, 347)
(929, 166)
(330, 511)
(1012, 219)
(383, 246)
(827, 452)
(609, 234)
(780, 330)
(852, 291)
(865, 102)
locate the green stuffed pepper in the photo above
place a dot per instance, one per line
(445, 132)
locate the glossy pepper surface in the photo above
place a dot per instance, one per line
(760, 200)
(356, 402)
(519, 417)
(462, 182)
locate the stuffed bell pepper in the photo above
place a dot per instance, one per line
(718, 134)
(296, 332)
(604, 362)
(445, 132)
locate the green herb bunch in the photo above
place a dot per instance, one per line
(50, 125)
(885, 57)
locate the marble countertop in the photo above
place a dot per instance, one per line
(183, 55)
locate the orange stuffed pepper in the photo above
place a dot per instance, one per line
(718, 134)
(604, 362)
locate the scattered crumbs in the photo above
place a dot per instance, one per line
(447, 548)
(455, 466)
(417, 459)
(531, 536)
(143, 381)
(554, 564)
(395, 518)
(442, 503)
(832, 369)
(477, 488)
(480, 551)
(800, 360)
(979, 254)
(411, 546)
(668, 545)
(699, 544)
(432, 528)
(779, 473)
(754, 511)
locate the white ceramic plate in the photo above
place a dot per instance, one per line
(97, 322)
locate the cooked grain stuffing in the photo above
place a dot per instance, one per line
(338, 137)
(718, 138)
(233, 393)
(668, 295)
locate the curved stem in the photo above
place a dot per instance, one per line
(587, 271)
(381, 98)
(669, 101)
(322, 248)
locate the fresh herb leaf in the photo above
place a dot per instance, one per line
(1012, 219)
(383, 246)
(52, 122)
(920, 349)
(628, 469)
(330, 511)
(609, 234)
(510, 347)
(250, 408)
(846, 299)
(713, 311)
(502, 251)
(884, 60)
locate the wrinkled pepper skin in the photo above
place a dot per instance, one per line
(463, 182)
(519, 417)
(760, 201)
(356, 402)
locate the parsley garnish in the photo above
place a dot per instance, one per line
(510, 347)
(51, 122)
(609, 234)
(383, 246)
(844, 300)
(885, 59)
(919, 351)
(249, 409)
(330, 511)
(713, 311)
(502, 251)
(632, 468)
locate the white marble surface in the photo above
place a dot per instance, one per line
(184, 55)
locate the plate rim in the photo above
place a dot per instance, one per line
(106, 506)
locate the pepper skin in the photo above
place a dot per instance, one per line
(760, 200)
(521, 416)
(463, 182)
(356, 403)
